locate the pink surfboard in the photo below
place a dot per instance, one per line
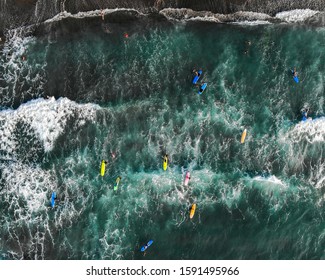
(187, 178)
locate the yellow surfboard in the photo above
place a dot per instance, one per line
(165, 162)
(243, 136)
(192, 212)
(102, 168)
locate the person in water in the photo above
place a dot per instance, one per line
(294, 72)
(102, 14)
(201, 89)
(305, 115)
(196, 72)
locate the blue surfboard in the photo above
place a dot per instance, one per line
(202, 88)
(53, 197)
(145, 247)
(197, 77)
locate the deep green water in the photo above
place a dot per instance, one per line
(133, 97)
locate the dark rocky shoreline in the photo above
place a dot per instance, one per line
(15, 13)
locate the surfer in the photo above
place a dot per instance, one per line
(118, 179)
(201, 88)
(146, 246)
(196, 72)
(305, 115)
(187, 178)
(294, 72)
(102, 14)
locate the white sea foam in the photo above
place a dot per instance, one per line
(90, 14)
(200, 18)
(13, 67)
(310, 130)
(270, 180)
(296, 15)
(241, 17)
(183, 14)
(28, 183)
(47, 117)
(26, 190)
(252, 23)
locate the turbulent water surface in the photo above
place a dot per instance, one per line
(123, 92)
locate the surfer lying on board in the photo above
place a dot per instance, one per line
(294, 72)
(201, 88)
(196, 72)
(305, 115)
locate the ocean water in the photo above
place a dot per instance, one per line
(85, 93)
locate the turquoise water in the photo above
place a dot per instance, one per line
(98, 95)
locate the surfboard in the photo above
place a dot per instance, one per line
(165, 162)
(197, 77)
(243, 136)
(187, 178)
(145, 247)
(192, 212)
(102, 168)
(53, 197)
(118, 179)
(202, 88)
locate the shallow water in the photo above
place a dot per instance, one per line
(132, 97)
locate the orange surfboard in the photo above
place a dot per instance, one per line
(192, 212)
(243, 136)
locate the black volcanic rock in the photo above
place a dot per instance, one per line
(14, 13)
